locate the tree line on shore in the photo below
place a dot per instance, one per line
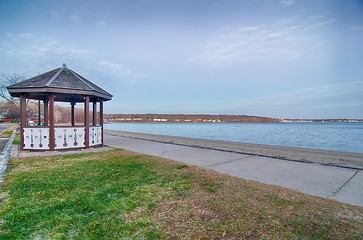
(185, 118)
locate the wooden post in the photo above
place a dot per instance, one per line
(22, 119)
(46, 112)
(39, 115)
(73, 114)
(94, 112)
(51, 123)
(101, 120)
(86, 121)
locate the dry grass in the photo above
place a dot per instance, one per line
(164, 199)
(221, 206)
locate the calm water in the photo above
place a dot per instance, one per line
(346, 137)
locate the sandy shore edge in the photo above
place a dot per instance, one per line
(331, 158)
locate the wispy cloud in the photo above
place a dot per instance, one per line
(114, 68)
(307, 102)
(251, 44)
(100, 24)
(25, 35)
(334, 93)
(276, 42)
(39, 53)
(43, 46)
(121, 72)
(53, 48)
(319, 24)
(286, 3)
(354, 27)
(75, 18)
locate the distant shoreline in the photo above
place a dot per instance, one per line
(210, 118)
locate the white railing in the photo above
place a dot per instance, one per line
(37, 138)
(69, 137)
(95, 136)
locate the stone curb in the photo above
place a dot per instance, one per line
(5, 155)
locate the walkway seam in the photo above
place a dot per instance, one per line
(163, 152)
(233, 160)
(337, 191)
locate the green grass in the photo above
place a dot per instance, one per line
(16, 140)
(7, 132)
(119, 194)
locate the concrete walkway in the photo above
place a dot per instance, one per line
(344, 184)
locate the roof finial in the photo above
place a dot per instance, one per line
(64, 65)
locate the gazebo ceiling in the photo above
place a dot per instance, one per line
(66, 84)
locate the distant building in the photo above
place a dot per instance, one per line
(160, 120)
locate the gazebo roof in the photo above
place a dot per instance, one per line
(65, 83)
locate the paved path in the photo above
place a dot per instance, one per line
(5, 148)
(339, 183)
(3, 141)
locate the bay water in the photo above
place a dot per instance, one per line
(336, 136)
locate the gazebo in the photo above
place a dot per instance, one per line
(60, 85)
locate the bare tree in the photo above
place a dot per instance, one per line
(9, 104)
(5, 81)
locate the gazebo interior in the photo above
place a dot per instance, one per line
(66, 86)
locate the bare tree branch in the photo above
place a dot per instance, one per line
(8, 104)
(5, 81)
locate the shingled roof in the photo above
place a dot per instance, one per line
(64, 82)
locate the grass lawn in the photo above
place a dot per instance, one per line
(120, 194)
(7, 133)
(16, 140)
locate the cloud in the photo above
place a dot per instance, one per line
(316, 94)
(118, 70)
(100, 24)
(354, 27)
(114, 67)
(39, 54)
(44, 53)
(251, 44)
(286, 3)
(75, 18)
(43, 46)
(25, 35)
(333, 99)
(283, 40)
(318, 24)
(55, 48)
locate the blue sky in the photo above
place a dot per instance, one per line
(277, 58)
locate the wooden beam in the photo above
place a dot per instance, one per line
(46, 111)
(73, 114)
(22, 119)
(94, 112)
(39, 115)
(51, 123)
(101, 120)
(86, 121)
